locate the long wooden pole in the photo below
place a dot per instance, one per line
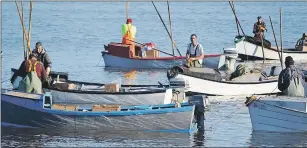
(170, 26)
(232, 8)
(261, 37)
(23, 27)
(23, 35)
(276, 43)
(152, 48)
(235, 18)
(281, 48)
(165, 27)
(29, 30)
(127, 7)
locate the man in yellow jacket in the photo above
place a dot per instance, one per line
(128, 33)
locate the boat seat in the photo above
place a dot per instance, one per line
(67, 107)
(102, 108)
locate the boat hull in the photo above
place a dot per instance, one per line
(162, 97)
(30, 113)
(245, 48)
(162, 63)
(224, 88)
(278, 115)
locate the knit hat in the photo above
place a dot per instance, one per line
(38, 44)
(289, 61)
(129, 20)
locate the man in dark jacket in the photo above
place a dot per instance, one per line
(43, 56)
(291, 79)
(259, 28)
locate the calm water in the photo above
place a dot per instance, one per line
(74, 33)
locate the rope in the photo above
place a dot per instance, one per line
(98, 62)
(221, 119)
(5, 81)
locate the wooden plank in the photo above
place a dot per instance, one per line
(106, 108)
(23, 95)
(68, 107)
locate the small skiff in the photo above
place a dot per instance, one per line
(26, 110)
(247, 48)
(122, 56)
(278, 114)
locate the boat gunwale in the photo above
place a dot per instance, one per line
(230, 82)
(152, 109)
(285, 50)
(162, 58)
(153, 91)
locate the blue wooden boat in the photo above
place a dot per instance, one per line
(27, 110)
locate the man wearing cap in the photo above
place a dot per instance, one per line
(33, 73)
(128, 33)
(291, 79)
(43, 56)
(259, 28)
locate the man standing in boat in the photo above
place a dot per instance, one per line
(259, 28)
(128, 33)
(291, 80)
(195, 53)
(33, 73)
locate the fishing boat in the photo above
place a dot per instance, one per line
(278, 114)
(27, 110)
(248, 48)
(67, 91)
(217, 83)
(124, 56)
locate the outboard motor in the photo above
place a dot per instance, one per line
(199, 111)
(230, 58)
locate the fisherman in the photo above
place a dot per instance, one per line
(259, 28)
(301, 44)
(128, 33)
(43, 56)
(291, 79)
(195, 53)
(33, 73)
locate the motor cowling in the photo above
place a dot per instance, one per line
(178, 83)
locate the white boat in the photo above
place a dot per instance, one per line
(121, 56)
(249, 50)
(278, 114)
(210, 82)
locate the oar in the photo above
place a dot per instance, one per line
(262, 49)
(281, 48)
(232, 8)
(276, 43)
(153, 48)
(235, 18)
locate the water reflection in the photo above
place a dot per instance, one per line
(198, 139)
(278, 139)
(39, 137)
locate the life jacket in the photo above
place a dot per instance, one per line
(31, 67)
(128, 36)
